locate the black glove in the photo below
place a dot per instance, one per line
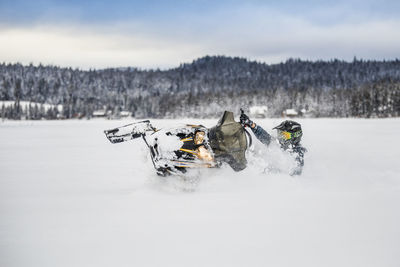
(245, 120)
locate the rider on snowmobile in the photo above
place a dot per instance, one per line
(289, 135)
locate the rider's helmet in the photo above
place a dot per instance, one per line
(289, 133)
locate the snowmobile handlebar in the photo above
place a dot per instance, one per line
(241, 122)
(244, 127)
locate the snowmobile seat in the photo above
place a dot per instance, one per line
(228, 142)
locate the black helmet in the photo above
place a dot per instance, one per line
(289, 132)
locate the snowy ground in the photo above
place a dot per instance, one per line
(70, 198)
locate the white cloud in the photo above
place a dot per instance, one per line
(263, 35)
(269, 35)
(86, 48)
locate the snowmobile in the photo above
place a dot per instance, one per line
(174, 151)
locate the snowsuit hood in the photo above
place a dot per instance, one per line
(228, 142)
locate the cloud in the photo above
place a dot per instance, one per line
(299, 38)
(273, 36)
(258, 33)
(86, 48)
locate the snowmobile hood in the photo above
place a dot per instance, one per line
(228, 141)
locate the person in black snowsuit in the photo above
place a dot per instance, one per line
(289, 137)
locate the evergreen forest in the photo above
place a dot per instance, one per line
(204, 88)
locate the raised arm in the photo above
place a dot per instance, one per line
(258, 131)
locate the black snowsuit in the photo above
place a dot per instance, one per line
(297, 149)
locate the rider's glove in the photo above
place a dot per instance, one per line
(245, 121)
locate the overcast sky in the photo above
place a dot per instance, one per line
(163, 34)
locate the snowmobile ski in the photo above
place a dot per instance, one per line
(129, 131)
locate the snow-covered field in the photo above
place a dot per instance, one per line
(70, 198)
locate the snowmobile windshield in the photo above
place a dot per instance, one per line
(228, 142)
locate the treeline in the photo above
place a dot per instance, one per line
(17, 110)
(207, 86)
